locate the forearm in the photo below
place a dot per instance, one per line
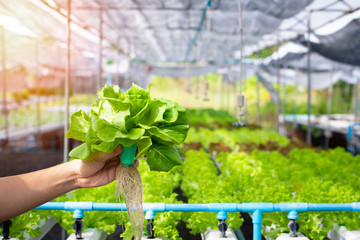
(24, 192)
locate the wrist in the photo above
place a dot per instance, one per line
(74, 173)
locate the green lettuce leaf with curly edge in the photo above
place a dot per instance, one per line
(131, 117)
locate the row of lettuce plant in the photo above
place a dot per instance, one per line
(234, 137)
(303, 176)
(201, 184)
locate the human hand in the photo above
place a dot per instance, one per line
(97, 170)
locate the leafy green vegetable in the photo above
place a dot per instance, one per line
(127, 118)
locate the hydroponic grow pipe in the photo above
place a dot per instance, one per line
(221, 208)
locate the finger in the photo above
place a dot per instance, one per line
(101, 156)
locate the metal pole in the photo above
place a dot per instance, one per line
(229, 80)
(222, 92)
(278, 110)
(188, 85)
(283, 88)
(199, 91)
(356, 93)
(99, 83)
(117, 67)
(296, 98)
(258, 94)
(329, 108)
(258, 101)
(37, 80)
(218, 91)
(67, 82)
(308, 134)
(4, 107)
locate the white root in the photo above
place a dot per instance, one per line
(129, 184)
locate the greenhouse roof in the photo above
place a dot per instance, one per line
(169, 30)
(291, 62)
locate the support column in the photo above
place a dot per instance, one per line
(218, 91)
(296, 95)
(37, 85)
(329, 110)
(308, 134)
(258, 100)
(3, 66)
(278, 110)
(99, 78)
(356, 93)
(67, 81)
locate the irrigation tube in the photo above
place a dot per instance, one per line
(221, 209)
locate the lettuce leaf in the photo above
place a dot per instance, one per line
(131, 117)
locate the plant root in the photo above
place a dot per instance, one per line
(129, 184)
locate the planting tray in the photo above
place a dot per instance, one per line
(45, 227)
(342, 233)
(285, 236)
(215, 234)
(90, 234)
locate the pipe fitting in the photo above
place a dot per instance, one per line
(287, 207)
(252, 207)
(78, 214)
(293, 215)
(355, 206)
(150, 215)
(72, 206)
(222, 215)
(217, 207)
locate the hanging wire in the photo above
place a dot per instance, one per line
(240, 99)
(206, 83)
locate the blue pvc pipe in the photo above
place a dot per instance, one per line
(210, 207)
(330, 207)
(221, 208)
(187, 207)
(257, 220)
